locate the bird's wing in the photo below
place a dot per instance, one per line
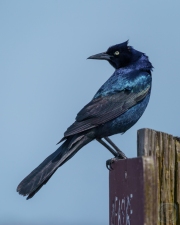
(104, 109)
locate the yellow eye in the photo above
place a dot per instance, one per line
(116, 53)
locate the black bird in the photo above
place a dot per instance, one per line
(116, 107)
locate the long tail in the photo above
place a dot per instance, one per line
(40, 176)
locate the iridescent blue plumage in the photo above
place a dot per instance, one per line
(129, 77)
(133, 78)
(115, 108)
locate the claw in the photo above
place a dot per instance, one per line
(109, 163)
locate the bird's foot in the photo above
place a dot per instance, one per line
(109, 163)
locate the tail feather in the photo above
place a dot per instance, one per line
(31, 184)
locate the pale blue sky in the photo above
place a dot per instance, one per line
(46, 80)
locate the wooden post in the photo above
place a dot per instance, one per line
(146, 190)
(165, 149)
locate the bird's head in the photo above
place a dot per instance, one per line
(120, 55)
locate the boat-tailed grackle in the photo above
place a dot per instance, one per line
(115, 108)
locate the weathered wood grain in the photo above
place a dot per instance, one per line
(150, 192)
(165, 149)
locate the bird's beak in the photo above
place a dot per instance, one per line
(102, 56)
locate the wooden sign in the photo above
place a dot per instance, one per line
(133, 199)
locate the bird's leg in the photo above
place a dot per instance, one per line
(108, 162)
(107, 146)
(116, 151)
(121, 154)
